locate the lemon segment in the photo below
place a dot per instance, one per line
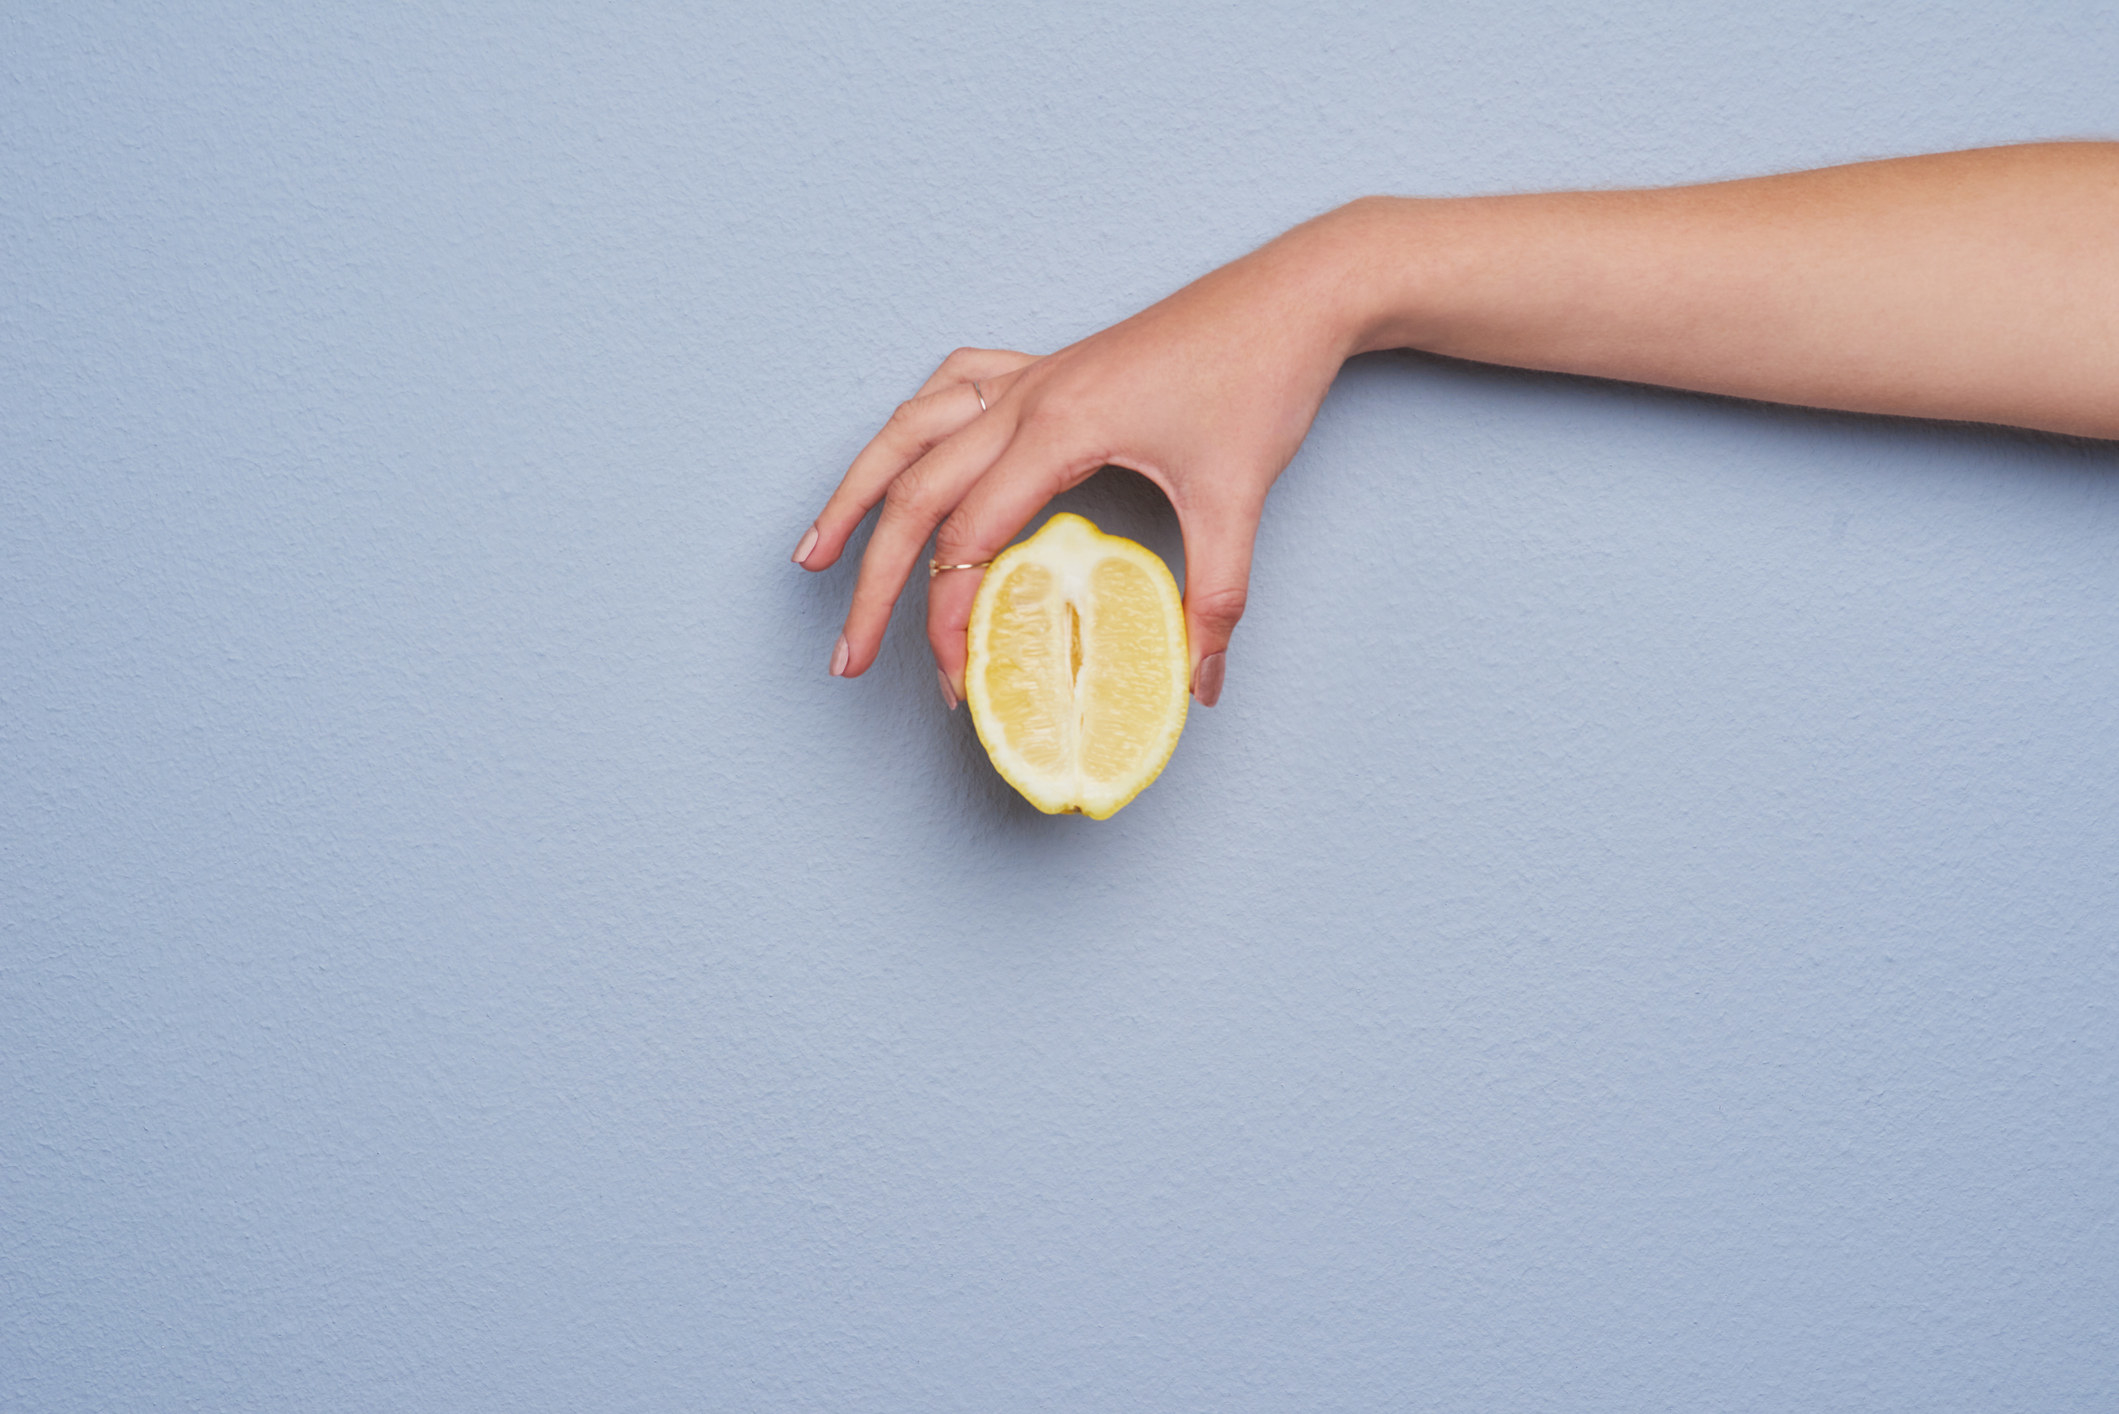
(1078, 672)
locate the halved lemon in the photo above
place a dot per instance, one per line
(1078, 672)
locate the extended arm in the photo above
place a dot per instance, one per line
(1976, 285)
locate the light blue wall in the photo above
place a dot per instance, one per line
(1641, 931)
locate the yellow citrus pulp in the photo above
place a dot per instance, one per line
(1078, 670)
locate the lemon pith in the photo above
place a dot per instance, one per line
(1077, 672)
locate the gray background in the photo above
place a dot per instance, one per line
(1638, 933)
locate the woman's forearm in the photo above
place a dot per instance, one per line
(1978, 285)
(1981, 286)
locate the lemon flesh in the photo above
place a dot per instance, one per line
(1078, 670)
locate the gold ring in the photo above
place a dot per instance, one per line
(935, 567)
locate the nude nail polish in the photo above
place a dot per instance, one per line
(809, 543)
(948, 693)
(1206, 679)
(839, 657)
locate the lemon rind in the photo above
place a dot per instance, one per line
(1036, 786)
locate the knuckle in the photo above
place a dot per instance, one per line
(1218, 610)
(909, 495)
(956, 539)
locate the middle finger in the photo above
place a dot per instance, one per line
(914, 428)
(914, 504)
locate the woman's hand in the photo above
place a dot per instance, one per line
(1976, 285)
(1207, 394)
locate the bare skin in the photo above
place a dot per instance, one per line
(1978, 286)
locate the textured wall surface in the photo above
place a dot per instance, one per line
(1641, 931)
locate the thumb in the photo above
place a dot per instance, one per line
(1217, 580)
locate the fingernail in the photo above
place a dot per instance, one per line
(839, 655)
(809, 543)
(1206, 678)
(948, 693)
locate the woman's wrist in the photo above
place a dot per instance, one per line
(1373, 263)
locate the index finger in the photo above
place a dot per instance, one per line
(912, 507)
(963, 365)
